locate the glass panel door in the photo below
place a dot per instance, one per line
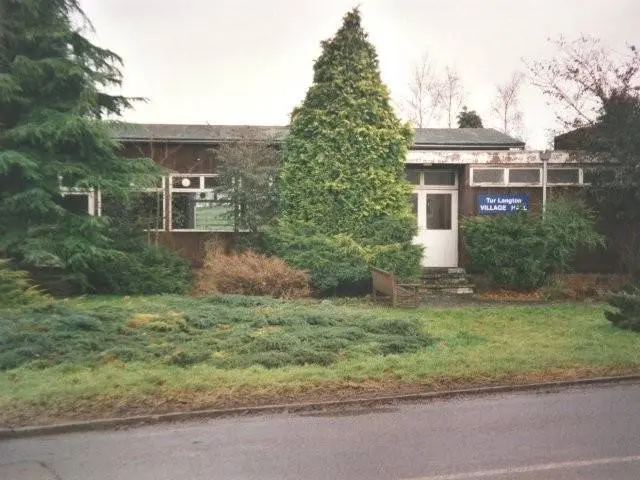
(439, 211)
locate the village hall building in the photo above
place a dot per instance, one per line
(454, 172)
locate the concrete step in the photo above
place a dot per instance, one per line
(452, 290)
(443, 270)
(447, 281)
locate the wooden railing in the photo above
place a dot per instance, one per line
(385, 284)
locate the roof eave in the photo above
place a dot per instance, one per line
(469, 145)
(212, 141)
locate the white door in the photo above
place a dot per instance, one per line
(437, 210)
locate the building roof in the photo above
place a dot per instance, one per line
(144, 132)
(464, 137)
(424, 137)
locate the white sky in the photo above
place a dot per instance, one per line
(250, 61)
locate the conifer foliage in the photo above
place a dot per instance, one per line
(52, 134)
(344, 158)
(342, 174)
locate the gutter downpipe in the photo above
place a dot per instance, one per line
(544, 156)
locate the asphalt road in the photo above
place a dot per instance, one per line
(585, 433)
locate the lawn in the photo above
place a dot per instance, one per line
(103, 356)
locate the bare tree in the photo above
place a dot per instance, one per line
(248, 171)
(452, 94)
(506, 105)
(582, 75)
(425, 94)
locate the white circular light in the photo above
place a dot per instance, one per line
(186, 182)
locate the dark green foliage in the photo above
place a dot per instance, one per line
(388, 230)
(222, 331)
(615, 189)
(140, 266)
(617, 133)
(510, 249)
(387, 247)
(403, 259)
(334, 263)
(522, 251)
(469, 119)
(146, 270)
(52, 102)
(16, 287)
(626, 313)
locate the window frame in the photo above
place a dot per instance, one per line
(508, 183)
(199, 189)
(421, 178)
(473, 183)
(93, 204)
(525, 184)
(161, 189)
(566, 184)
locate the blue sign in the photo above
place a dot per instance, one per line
(502, 204)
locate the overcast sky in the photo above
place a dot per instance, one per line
(250, 61)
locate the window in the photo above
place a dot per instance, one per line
(439, 177)
(78, 200)
(194, 202)
(489, 176)
(143, 208)
(196, 205)
(520, 176)
(431, 177)
(78, 203)
(414, 204)
(524, 175)
(566, 176)
(439, 211)
(412, 176)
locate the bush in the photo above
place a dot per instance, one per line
(388, 230)
(15, 287)
(248, 273)
(626, 313)
(146, 270)
(523, 251)
(340, 264)
(335, 263)
(388, 244)
(401, 259)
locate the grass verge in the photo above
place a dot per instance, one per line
(100, 356)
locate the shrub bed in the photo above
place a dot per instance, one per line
(222, 331)
(626, 310)
(523, 251)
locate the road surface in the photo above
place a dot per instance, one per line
(581, 433)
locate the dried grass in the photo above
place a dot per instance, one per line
(249, 273)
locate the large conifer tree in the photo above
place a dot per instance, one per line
(52, 102)
(343, 162)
